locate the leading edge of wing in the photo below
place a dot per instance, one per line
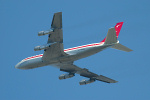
(71, 68)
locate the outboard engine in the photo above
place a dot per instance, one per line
(84, 82)
(37, 48)
(65, 76)
(41, 33)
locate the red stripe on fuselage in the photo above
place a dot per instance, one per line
(34, 57)
(70, 49)
(84, 46)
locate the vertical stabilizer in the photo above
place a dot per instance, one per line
(117, 27)
(111, 36)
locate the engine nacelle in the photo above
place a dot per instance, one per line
(65, 76)
(41, 33)
(37, 48)
(84, 82)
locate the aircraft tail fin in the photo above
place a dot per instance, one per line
(117, 27)
(111, 36)
(121, 47)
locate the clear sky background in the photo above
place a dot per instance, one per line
(84, 22)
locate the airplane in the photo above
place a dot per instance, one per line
(55, 55)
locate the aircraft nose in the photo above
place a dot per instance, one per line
(18, 65)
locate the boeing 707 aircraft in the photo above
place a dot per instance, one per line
(56, 55)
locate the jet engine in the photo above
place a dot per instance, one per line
(84, 82)
(37, 48)
(65, 76)
(41, 33)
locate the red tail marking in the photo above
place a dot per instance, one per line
(103, 40)
(118, 28)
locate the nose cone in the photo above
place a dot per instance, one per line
(18, 66)
(23, 65)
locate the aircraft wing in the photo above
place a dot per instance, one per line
(57, 35)
(55, 38)
(71, 68)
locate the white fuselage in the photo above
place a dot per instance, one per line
(72, 55)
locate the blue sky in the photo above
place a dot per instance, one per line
(84, 22)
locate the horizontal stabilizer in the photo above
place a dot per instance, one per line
(121, 47)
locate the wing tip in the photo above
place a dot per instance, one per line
(115, 82)
(111, 82)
